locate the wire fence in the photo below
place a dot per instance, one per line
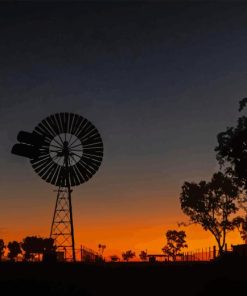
(84, 254)
(204, 254)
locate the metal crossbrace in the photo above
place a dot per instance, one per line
(61, 230)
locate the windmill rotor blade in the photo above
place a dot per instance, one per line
(84, 149)
(75, 124)
(71, 122)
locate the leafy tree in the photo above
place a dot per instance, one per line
(241, 223)
(232, 155)
(175, 243)
(37, 245)
(2, 247)
(231, 149)
(49, 244)
(143, 255)
(128, 255)
(14, 250)
(211, 205)
(114, 258)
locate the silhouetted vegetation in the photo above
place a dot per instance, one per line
(114, 258)
(143, 255)
(211, 205)
(128, 255)
(175, 243)
(2, 248)
(232, 156)
(14, 250)
(241, 223)
(101, 249)
(231, 149)
(37, 245)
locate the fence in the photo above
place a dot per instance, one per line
(204, 254)
(83, 254)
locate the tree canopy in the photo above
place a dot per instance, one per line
(176, 241)
(37, 245)
(114, 258)
(232, 149)
(241, 223)
(232, 156)
(211, 205)
(143, 255)
(2, 247)
(14, 250)
(128, 255)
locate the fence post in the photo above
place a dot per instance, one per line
(214, 252)
(81, 253)
(65, 253)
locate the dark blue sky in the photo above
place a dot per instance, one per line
(159, 81)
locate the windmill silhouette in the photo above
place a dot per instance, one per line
(65, 150)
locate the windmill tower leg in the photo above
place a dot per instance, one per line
(62, 229)
(71, 225)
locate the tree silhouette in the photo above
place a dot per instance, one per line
(2, 247)
(101, 249)
(37, 245)
(211, 205)
(143, 255)
(241, 223)
(231, 149)
(14, 250)
(175, 243)
(114, 258)
(232, 155)
(128, 255)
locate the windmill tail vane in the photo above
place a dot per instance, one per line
(29, 144)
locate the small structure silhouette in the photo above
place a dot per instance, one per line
(240, 250)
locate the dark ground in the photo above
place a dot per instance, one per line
(202, 279)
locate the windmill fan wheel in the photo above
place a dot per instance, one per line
(71, 152)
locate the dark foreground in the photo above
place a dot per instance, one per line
(202, 279)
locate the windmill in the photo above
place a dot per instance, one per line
(65, 150)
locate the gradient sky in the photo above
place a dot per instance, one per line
(159, 81)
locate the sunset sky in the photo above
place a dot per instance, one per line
(159, 81)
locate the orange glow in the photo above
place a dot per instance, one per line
(137, 223)
(119, 237)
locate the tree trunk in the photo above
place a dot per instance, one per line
(221, 249)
